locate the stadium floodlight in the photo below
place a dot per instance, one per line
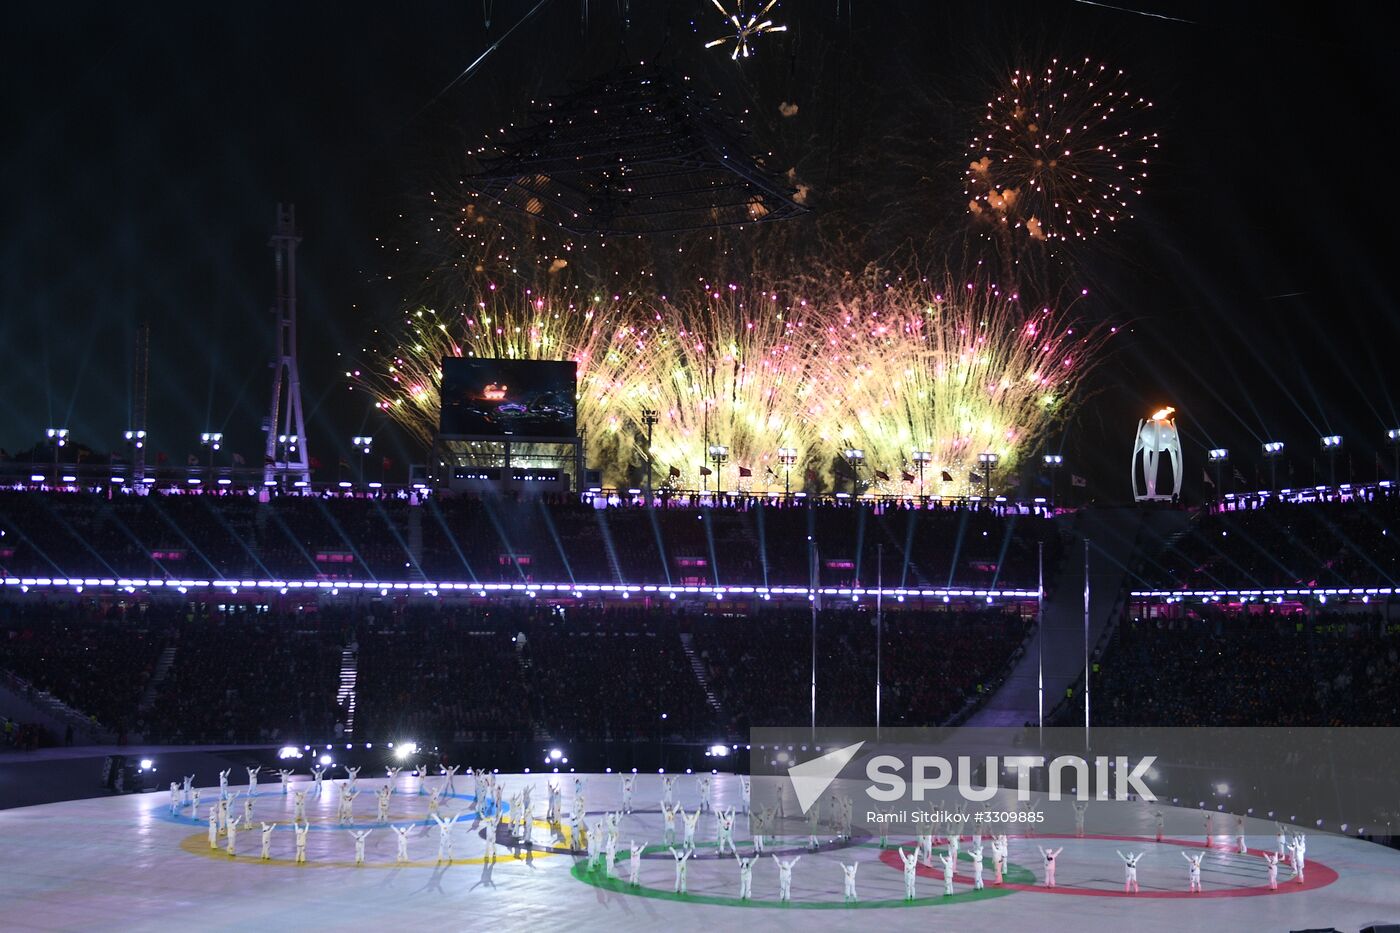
(854, 456)
(212, 440)
(1393, 435)
(1219, 456)
(920, 458)
(650, 418)
(1053, 462)
(136, 439)
(362, 443)
(988, 460)
(719, 453)
(59, 438)
(787, 456)
(1272, 451)
(1331, 445)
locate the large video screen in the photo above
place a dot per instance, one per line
(529, 398)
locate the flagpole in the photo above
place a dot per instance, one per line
(879, 627)
(1040, 637)
(1086, 643)
(815, 579)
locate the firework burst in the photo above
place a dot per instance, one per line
(733, 366)
(405, 379)
(1062, 153)
(747, 27)
(910, 370)
(938, 373)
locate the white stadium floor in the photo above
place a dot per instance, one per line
(129, 863)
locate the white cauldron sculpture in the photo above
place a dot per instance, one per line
(1155, 436)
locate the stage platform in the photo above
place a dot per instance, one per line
(130, 863)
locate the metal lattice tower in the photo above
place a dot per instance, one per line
(285, 452)
(636, 151)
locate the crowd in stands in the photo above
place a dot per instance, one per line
(1259, 668)
(553, 539)
(21, 736)
(245, 676)
(98, 658)
(453, 674)
(570, 540)
(932, 664)
(195, 673)
(1277, 544)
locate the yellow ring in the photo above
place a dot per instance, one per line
(198, 844)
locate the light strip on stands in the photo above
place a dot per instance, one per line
(1302, 592)
(530, 589)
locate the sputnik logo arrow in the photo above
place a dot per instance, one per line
(811, 778)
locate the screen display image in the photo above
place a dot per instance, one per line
(527, 398)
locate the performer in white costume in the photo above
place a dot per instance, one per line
(1193, 871)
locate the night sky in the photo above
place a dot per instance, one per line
(145, 148)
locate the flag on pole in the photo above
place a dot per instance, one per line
(238, 460)
(706, 471)
(1206, 476)
(1239, 477)
(882, 476)
(675, 473)
(973, 478)
(745, 471)
(947, 477)
(1076, 480)
(906, 476)
(192, 460)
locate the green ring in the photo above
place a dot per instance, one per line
(1014, 874)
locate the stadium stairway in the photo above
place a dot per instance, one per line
(1120, 539)
(698, 668)
(47, 711)
(415, 543)
(349, 674)
(148, 697)
(613, 563)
